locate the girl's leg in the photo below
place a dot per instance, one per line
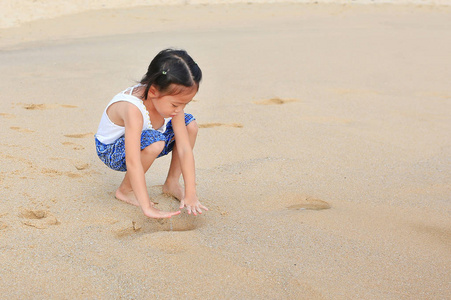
(148, 155)
(172, 185)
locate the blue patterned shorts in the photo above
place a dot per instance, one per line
(113, 155)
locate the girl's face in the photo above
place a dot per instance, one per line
(169, 106)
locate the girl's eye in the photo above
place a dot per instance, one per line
(174, 105)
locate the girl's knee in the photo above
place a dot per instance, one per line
(154, 148)
(192, 128)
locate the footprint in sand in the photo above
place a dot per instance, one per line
(310, 204)
(40, 219)
(210, 125)
(19, 129)
(274, 101)
(7, 116)
(33, 106)
(73, 145)
(79, 135)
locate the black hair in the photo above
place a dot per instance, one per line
(171, 72)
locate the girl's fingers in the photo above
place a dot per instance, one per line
(193, 209)
(174, 213)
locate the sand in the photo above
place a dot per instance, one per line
(323, 155)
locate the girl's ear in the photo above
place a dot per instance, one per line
(153, 92)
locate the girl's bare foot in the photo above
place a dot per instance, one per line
(152, 212)
(173, 188)
(128, 197)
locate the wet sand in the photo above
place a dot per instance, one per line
(323, 155)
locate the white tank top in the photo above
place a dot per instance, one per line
(108, 132)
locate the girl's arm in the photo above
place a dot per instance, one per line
(186, 156)
(133, 123)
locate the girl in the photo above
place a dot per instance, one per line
(147, 121)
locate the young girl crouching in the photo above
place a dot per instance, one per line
(147, 121)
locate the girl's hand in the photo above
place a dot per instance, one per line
(154, 213)
(192, 205)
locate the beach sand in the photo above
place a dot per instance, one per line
(323, 155)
